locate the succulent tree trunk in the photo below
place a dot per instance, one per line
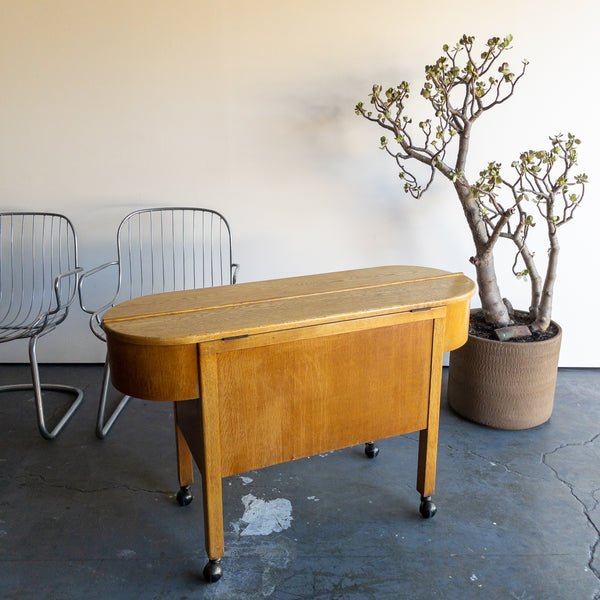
(492, 305)
(544, 312)
(532, 272)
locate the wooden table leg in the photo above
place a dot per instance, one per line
(211, 467)
(426, 471)
(185, 464)
(428, 438)
(198, 437)
(213, 525)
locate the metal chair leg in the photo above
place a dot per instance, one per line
(102, 427)
(37, 388)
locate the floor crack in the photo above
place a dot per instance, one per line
(594, 547)
(23, 480)
(492, 462)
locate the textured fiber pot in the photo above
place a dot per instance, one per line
(505, 385)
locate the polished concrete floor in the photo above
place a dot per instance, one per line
(518, 512)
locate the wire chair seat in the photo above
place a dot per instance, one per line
(160, 250)
(16, 332)
(38, 283)
(24, 326)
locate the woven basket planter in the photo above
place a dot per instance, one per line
(504, 385)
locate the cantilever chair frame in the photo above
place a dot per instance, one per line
(48, 306)
(103, 423)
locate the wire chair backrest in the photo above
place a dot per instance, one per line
(172, 249)
(35, 248)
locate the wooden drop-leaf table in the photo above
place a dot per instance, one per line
(267, 372)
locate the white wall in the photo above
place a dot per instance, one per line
(247, 106)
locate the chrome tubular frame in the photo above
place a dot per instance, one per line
(161, 250)
(39, 276)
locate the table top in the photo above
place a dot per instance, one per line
(208, 314)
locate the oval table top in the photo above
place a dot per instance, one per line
(208, 314)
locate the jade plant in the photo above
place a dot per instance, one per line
(539, 188)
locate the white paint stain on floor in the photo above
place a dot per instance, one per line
(262, 517)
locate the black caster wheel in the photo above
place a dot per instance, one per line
(213, 570)
(371, 450)
(427, 508)
(184, 495)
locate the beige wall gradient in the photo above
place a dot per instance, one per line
(247, 107)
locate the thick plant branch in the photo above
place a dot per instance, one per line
(498, 228)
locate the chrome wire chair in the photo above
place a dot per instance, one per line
(161, 250)
(39, 276)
